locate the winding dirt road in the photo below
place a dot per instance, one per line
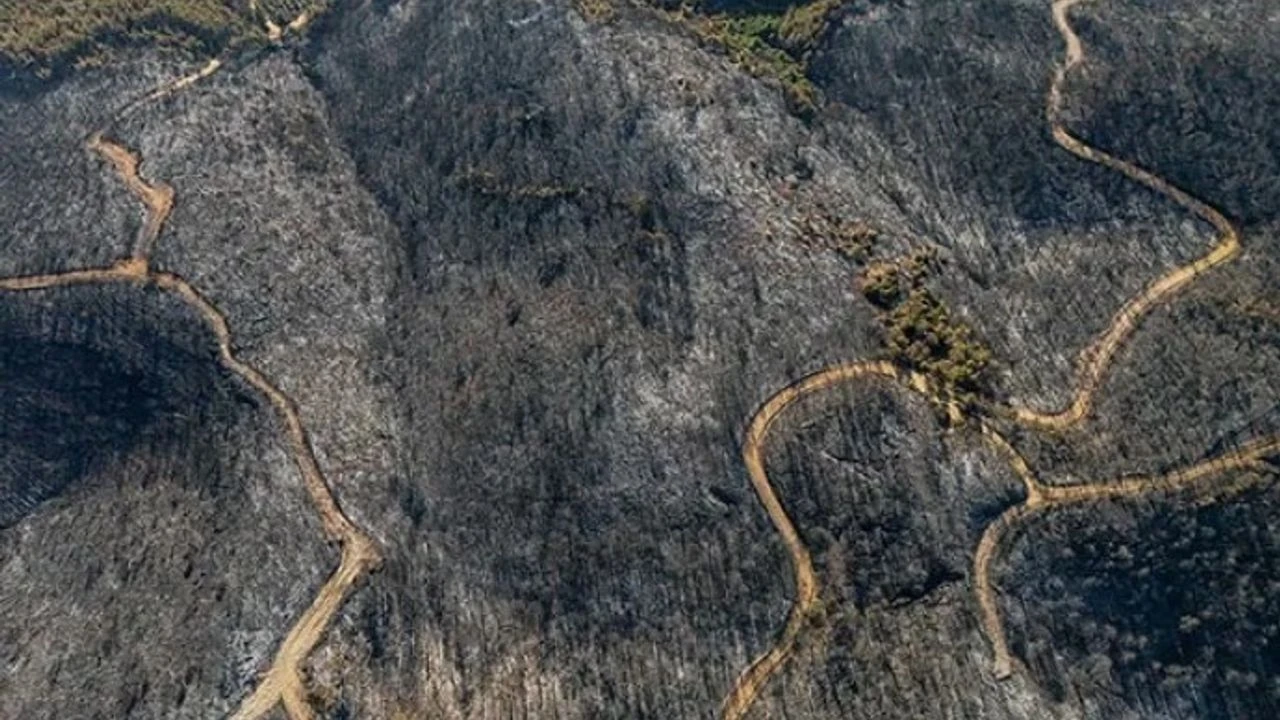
(749, 684)
(282, 683)
(1095, 361)
(1049, 497)
(746, 689)
(274, 32)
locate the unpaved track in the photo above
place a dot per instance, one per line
(184, 82)
(747, 687)
(169, 88)
(1096, 359)
(1057, 496)
(988, 598)
(274, 32)
(282, 683)
(123, 271)
(749, 684)
(1031, 484)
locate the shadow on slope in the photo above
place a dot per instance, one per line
(158, 542)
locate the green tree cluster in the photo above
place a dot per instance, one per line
(44, 35)
(765, 42)
(920, 331)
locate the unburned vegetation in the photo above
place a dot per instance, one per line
(770, 40)
(40, 34)
(920, 330)
(52, 34)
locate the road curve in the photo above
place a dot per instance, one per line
(988, 599)
(157, 198)
(1052, 497)
(1096, 359)
(282, 683)
(748, 685)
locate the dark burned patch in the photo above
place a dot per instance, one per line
(1166, 603)
(88, 374)
(861, 478)
(1195, 107)
(960, 87)
(150, 493)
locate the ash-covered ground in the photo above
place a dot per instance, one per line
(527, 274)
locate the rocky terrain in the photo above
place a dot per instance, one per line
(589, 359)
